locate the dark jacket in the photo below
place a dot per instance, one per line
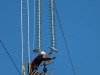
(39, 59)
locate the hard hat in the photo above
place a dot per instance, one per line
(41, 53)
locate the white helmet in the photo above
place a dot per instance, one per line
(41, 53)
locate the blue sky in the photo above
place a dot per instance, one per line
(80, 20)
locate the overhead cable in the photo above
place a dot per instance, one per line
(65, 40)
(10, 58)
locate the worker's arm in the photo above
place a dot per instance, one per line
(44, 59)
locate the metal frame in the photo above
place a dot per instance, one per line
(25, 35)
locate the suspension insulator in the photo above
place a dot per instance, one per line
(38, 24)
(52, 24)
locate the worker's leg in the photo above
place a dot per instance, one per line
(35, 67)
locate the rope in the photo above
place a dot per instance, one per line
(34, 30)
(65, 40)
(10, 58)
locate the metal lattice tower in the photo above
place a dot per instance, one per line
(25, 32)
(25, 35)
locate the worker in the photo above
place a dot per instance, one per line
(36, 62)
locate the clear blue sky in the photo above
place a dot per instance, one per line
(81, 24)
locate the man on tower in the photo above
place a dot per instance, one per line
(37, 61)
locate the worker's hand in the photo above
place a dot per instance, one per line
(50, 53)
(53, 57)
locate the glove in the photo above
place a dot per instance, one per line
(50, 53)
(53, 57)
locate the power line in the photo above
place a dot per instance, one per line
(65, 40)
(10, 57)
